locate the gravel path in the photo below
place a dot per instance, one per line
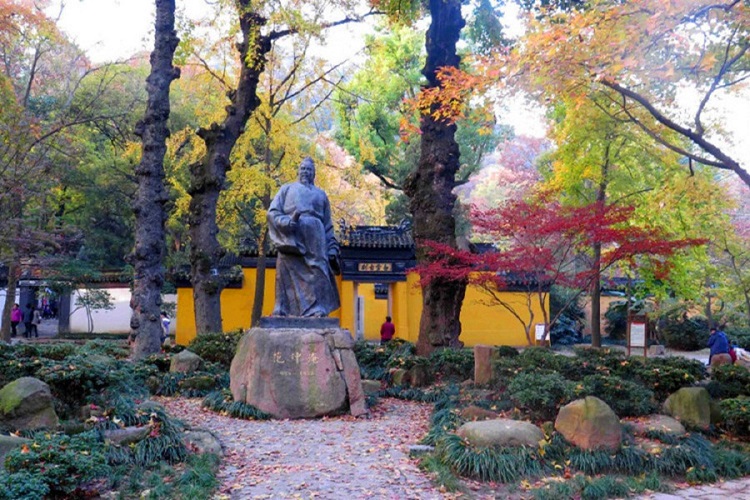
(340, 457)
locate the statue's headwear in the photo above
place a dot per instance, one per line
(307, 162)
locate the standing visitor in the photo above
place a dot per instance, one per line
(164, 326)
(36, 320)
(28, 318)
(387, 331)
(15, 317)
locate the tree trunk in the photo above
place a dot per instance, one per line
(260, 280)
(151, 196)
(596, 296)
(596, 285)
(430, 187)
(207, 177)
(14, 271)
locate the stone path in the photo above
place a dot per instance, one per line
(730, 490)
(348, 458)
(332, 458)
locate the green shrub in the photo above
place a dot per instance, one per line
(61, 462)
(57, 352)
(736, 416)
(216, 347)
(453, 364)
(373, 358)
(74, 381)
(734, 380)
(506, 351)
(617, 320)
(663, 376)
(22, 485)
(572, 368)
(540, 393)
(626, 398)
(739, 336)
(686, 334)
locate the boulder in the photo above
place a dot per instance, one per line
(185, 362)
(590, 424)
(8, 444)
(419, 376)
(474, 412)
(200, 441)
(371, 386)
(126, 435)
(26, 404)
(658, 423)
(297, 372)
(501, 432)
(720, 359)
(399, 377)
(691, 406)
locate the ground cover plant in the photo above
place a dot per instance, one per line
(532, 385)
(96, 390)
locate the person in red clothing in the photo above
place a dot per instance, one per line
(387, 330)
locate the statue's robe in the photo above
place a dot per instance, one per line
(305, 282)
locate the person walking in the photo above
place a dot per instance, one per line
(15, 317)
(387, 331)
(36, 320)
(28, 318)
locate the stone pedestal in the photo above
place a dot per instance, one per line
(297, 372)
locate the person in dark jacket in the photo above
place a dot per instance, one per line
(28, 320)
(719, 345)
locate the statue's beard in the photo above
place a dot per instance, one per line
(306, 181)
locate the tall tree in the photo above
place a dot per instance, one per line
(151, 196)
(430, 186)
(651, 55)
(208, 176)
(40, 74)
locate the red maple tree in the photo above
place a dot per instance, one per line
(542, 243)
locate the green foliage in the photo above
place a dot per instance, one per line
(541, 393)
(736, 416)
(453, 364)
(74, 380)
(223, 402)
(506, 351)
(666, 375)
(374, 359)
(739, 336)
(504, 465)
(683, 333)
(617, 319)
(440, 472)
(217, 347)
(734, 380)
(626, 398)
(569, 325)
(164, 443)
(22, 485)
(59, 461)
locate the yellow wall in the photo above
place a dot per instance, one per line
(480, 323)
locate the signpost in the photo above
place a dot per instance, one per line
(539, 329)
(638, 333)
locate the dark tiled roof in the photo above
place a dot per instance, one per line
(376, 237)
